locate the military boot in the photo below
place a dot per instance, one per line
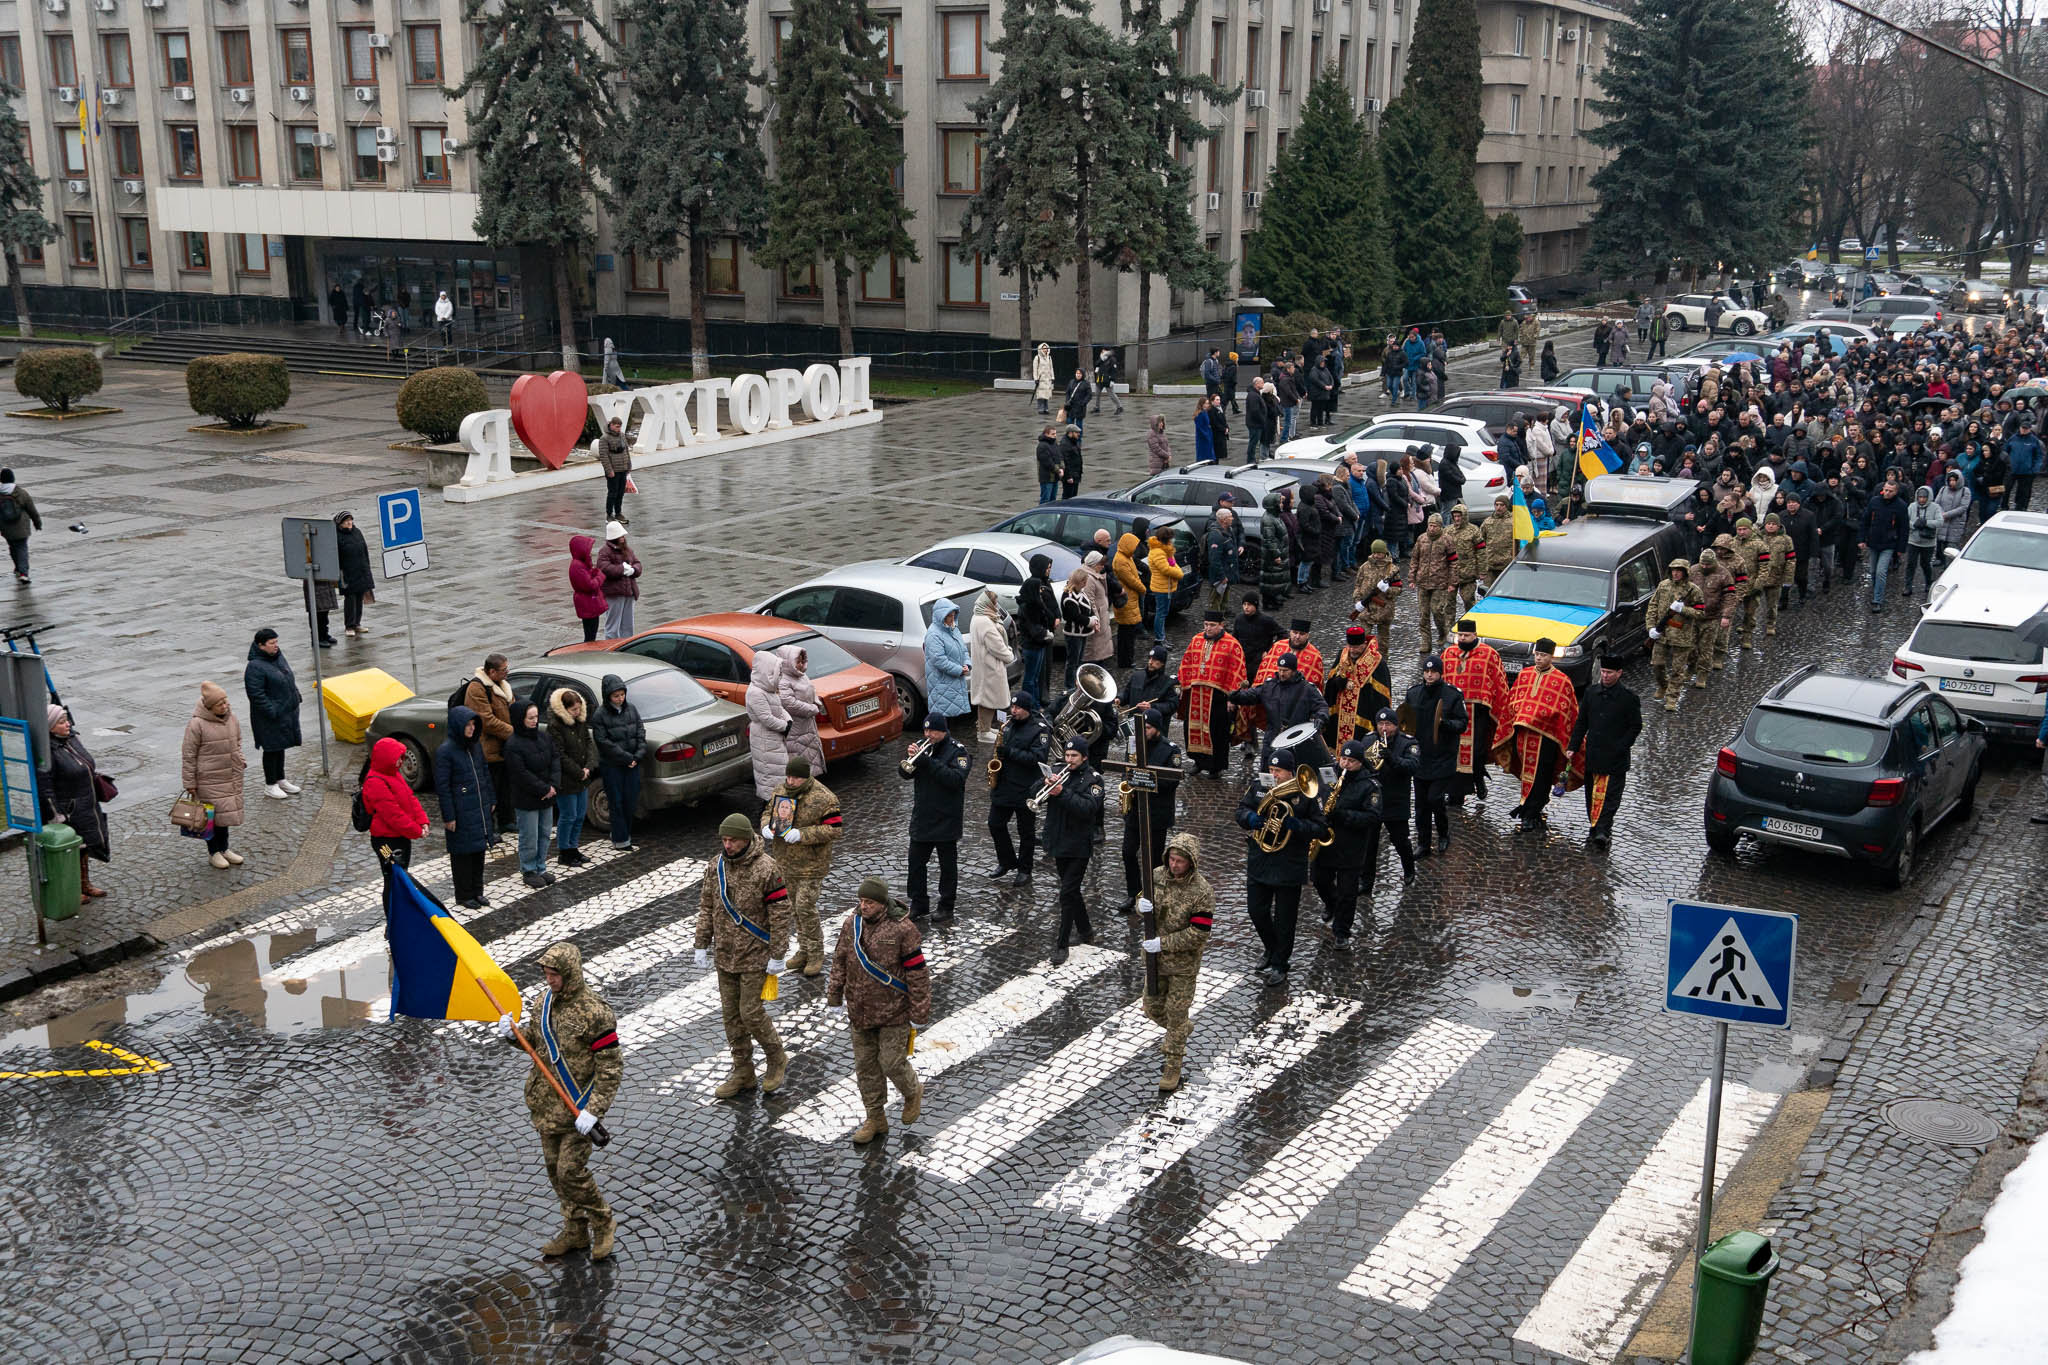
(795, 961)
(1169, 1077)
(738, 1080)
(913, 1104)
(778, 1067)
(814, 965)
(573, 1236)
(1657, 675)
(875, 1127)
(601, 1239)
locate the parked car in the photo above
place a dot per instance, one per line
(1482, 472)
(997, 561)
(1190, 492)
(1976, 296)
(1609, 380)
(1073, 523)
(2010, 551)
(1850, 244)
(1986, 650)
(1521, 302)
(1855, 768)
(878, 611)
(696, 743)
(862, 711)
(1497, 408)
(1397, 430)
(1809, 326)
(1874, 311)
(1688, 311)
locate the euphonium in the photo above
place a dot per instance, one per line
(1077, 719)
(1272, 833)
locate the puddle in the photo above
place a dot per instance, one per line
(1776, 1078)
(1502, 997)
(229, 982)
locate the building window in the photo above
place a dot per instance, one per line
(120, 59)
(127, 149)
(722, 266)
(882, 282)
(781, 31)
(192, 252)
(1315, 56)
(31, 253)
(184, 151)
(801, 282)
(297, 45)
(1286, 60)
(1215, 164)
(85, 248)
(1344, 61)
(1514, 113)
(963, 44)
(10, 60)
(1548, 53)
(305, 153)
(1251, 57)
(72, 144)
(1251, 153)
(235, 65)
(135, 243)
(644, 275)
(1394, 70)
(884, 34)
(1279, 146)
(63, 61)
(423, 44)
(429, 161)
(369, 170)
(962, 147)
(1217, 34)
(963, 278)
(1514, 172)
(252, 253)
(362, 58)
(177, 59)
(245, 161)
(1521, 36)
(1372, 64)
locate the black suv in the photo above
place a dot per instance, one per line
(1856, 768)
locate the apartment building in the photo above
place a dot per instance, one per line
(274, 149)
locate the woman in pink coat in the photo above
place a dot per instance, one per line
(586, 584)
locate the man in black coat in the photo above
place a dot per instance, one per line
(1254, 632)
(1079, 394)
(1289, 699)
(1153, 684)
(1070, 821)
(1437, 712)
(1038, 621)
(1026, 743)
(938, 805)
(273, 709)
(1883, 537)
(1393, 757)
(1160, 752)
(1346, 867)
(1273, 881)
(1048, 461)
(1804, 528)
(1610, 718)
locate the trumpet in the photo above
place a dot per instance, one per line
(1272, 833)
(1328, 836)
(1055, 775)
(916, 751)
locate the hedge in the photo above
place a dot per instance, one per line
(433, 402)
(238, 387)
(591, 430)
(58, 375)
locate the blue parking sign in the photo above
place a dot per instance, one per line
(400, 514)
(1730, 964)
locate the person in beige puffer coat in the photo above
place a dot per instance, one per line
(213, 764)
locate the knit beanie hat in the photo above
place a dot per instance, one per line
(735, 826)
(874, 889)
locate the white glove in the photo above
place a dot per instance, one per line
(1144, 906)
(775, 966)
(791, 836)
(1656, 634)
(1358, 606)
(703, 957)
(838, 1009)
(1150, 945)
(586, 1121)
(505, 1027)
(1383, 585)
(764, 828)
(627, 570)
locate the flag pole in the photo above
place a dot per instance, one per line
(598, 1135)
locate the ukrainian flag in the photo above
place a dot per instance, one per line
(1519, 516)
(437, 970)
(1596, 457)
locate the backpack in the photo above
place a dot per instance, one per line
(358, 813)
(10, 510)
(455, 698)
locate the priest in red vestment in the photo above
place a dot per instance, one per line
(1211, 668)
(1358, 685)
(1475, 669)
(1540, 714)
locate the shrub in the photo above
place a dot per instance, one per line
(58, 375)
(433, 402)
(591, 430)
(238, 387)
(1286, 332)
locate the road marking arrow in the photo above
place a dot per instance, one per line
(137, 1066)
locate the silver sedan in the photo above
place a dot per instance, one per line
(998, 560)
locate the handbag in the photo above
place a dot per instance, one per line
(189, 813)
(103, 787)
(204, 830)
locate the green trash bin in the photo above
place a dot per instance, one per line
(56, 891)
(1734, 1279)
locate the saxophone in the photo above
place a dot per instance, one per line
(995, 764)
(1328, 836)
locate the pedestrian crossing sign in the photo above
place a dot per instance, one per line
(1730, 964)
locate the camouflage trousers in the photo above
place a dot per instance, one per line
(1709, 648)
(1169, 1010)
(568, 1157)
(1436, 608)
(810, 935)
(881, 1057)
(746, 1018)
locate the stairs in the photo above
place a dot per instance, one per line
(310, 350)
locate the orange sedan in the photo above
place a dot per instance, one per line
(861, 710)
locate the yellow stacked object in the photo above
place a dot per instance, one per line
(353, 699)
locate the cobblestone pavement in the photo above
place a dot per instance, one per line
(1447, 1145)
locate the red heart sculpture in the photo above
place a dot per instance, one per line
(548, 414)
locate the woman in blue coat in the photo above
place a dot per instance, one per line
(1205, 446)
(462, 781)
(945, 664)
(273, 710)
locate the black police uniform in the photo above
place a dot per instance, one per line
(1273, 881)
(1399, 758)
(1070, 839)
(1024, 746)
(1439, 716)
(938, 805)
(1345, 868)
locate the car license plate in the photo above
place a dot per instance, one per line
(719, 745)
(1792, 827)
(1975, 689)
(865, 707)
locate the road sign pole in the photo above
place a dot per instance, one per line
(411, 650)
(312, 590)
(1701, 1239)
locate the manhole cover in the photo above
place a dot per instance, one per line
(1951, 1125)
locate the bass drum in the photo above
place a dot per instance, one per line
(1306, 740)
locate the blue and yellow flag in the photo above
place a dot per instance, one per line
(436, 967)
(1520, 517)
(1596, 457)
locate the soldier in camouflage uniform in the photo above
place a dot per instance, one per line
(1673, 611)
(1471, 542)
(1185, 906)
(1776, 561)
(1374, 606)
(576, 1035)
(1731, 600)
(743, 908)
(800, 823)
(1717, 601)
(1497, 540)
(1749, 546)
(879, 979)
(1434, 568)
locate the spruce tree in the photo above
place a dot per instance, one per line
(685, 162)
(1017, 219)
(542, 108)
(22, 223)
(836, 152)
(1309, 252)
(1707, 114)
(1443, 71)
(1504, 254)
(1438, 227)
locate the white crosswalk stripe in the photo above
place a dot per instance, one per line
(1113, 1176)
(1589, 1310)
(690, 1002)
(956, 1039)
(972, 1144)
(1412, 1263)
(810, 1023)
(1256, 1217)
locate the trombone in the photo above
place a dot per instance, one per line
(1055, 775)
(1272, 833)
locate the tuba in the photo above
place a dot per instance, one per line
(1272, 833)
(1077, 719)
(1328, 836)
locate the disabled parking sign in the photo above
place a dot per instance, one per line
(1730, 964)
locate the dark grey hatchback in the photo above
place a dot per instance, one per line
(1856, 768)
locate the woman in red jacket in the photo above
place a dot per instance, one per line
(587, 584)
(396, 816)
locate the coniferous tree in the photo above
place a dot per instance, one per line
(1438, 227)
(1707, 114)
(22, 223)
(836, 152)
(1504, 253)
(1443, 71)
(685, 161)
(1017, 219)
(542, 111)
(1309, 252)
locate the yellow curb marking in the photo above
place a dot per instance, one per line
(137, 1065)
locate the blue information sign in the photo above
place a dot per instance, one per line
(400, 514)
(18, 796)
(1730, 964)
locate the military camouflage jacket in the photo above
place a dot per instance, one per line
(752, 885)
(576, 1035)
(816, 820)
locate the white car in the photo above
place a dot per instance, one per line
(2009, 551)
(1848, 331)
(1402, 428)
(1985, 649)
(997, 560)
(1688, 311)
(1484, 475)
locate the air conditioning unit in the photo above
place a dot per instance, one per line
(111, 98)
(81, 188)
(1322, 6)
(892, 91)
(450, 146)
(183, 94)
(103, 6)
(1252, 199)
(1213, 200)
(1187, 97)
(133, 187)
(381, 41)
(1372, 104)
(242, 95)
(1254, 99)
(1567, 35)
(302, 94)
(323, 139)
(67, 94)
(54, 6)
(386, 137)
(366, 94)
(152, 4)
(387, 154)
(1583, 68)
